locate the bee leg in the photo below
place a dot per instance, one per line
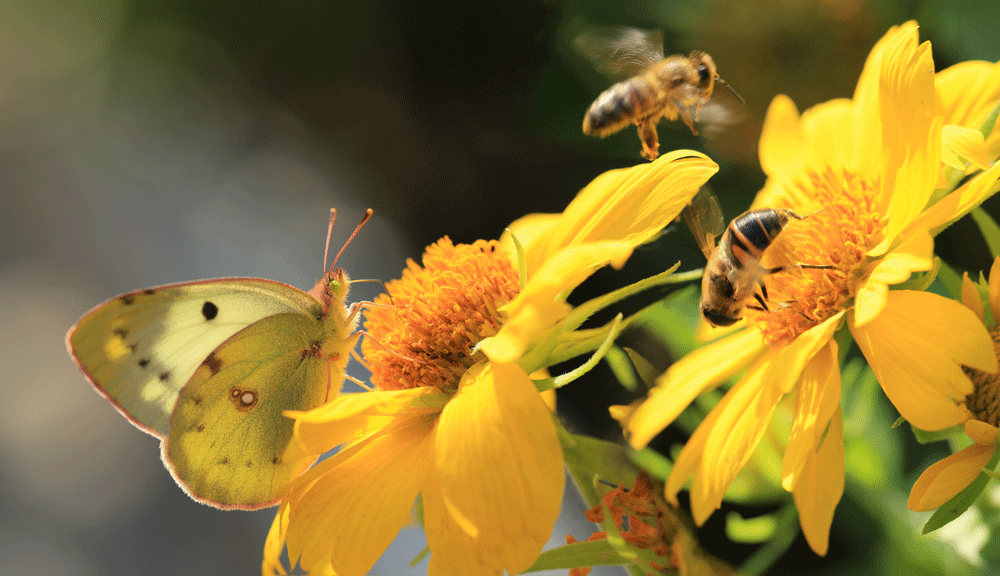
(817, 266)
(686, 117)
(761, 299)
(650, 141)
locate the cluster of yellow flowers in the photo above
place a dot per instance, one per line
(459, 416)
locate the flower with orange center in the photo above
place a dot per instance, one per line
(454, 417)
(863, 172)
(944, 480)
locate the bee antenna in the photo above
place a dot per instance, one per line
(731, 89)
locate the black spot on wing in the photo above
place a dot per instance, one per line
(143, 362)
(164, 376)
(224, 461)
(149, 291)
(209, 311)
(120, 332)
(128, 299)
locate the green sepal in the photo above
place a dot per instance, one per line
(581, 313)
(522, 266)
(987, 126)
(620, 365)
(955, 507)
(567, 377)
(647, 372)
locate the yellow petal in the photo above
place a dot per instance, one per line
(970, 297)
(959, 202)
(540, 304)
(916, 347)
(499, 475)
(867, 125)
(981, 432)
(821, 486)
(915, 254)
(911, 134)
(630, 205)
(687, 466)
(995, 290)
(350, 416)
(960, 145)
(693, 374)
(967, 93)
(782, 375)
(348, 517)
(818, 399)
(826, 125)
(782, 146)
(531, 231)
(943, 480)
(275, 542)
(734, 436)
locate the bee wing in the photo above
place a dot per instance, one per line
(621, 51)
(704, 217)
(715, 118)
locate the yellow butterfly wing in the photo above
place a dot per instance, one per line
(230, 444)
(141, 348)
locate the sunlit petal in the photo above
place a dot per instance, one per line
(994, 281)
(700, 370)
(818, 399)
(960, 145)
(960, 202)
(821, 486)
(943, 480)
(349, 516)
(981, 432)
(916, 348)
(740, 426)
(914, 255)
(970, 297)
(499, 468)
(356, 415)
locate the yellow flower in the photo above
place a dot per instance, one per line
(863, 171)
(455, 417)
(944, 480)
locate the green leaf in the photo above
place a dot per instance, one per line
(955, 507)
(925, 437)
(750, 530)
(988, 228)
(951, 279)
(578, 555)
(655, 464)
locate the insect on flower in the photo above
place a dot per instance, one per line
(734, 270)
(659, 86)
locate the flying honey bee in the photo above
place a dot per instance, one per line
(658, 88)
(734, 271)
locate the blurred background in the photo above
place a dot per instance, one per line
(143, 143)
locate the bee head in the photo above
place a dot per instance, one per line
(705, 66)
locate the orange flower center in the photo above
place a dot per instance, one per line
(840, 233)
(984, 402)
(423, 330)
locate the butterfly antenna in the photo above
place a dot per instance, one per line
(731, 89)
(368, 214)
(329, 233)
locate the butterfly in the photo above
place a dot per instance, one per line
(210, 366)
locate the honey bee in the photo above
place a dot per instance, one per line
(734, 271)
(659, 87)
